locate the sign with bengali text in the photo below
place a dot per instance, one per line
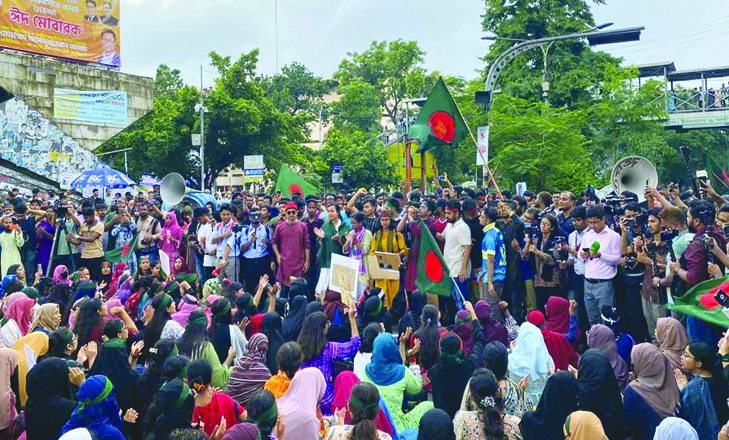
(73, 29)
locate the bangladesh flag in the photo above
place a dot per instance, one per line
(699, 301)
(433, 274)
(440, 121)
(122, 254)
(290, 182)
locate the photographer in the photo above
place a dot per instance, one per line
(513, 230)
(531, 231)
(694, 265)
(543, 257)
(90, 234)
(149, 231)
(255, 244)
(652, 253)
(633, 271)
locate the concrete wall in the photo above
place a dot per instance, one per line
(33, 78)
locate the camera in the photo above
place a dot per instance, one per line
(60, 208)
(237, 227)
(725, 230)
(530, 229)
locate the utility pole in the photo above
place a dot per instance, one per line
(202, 134)
(275, 27)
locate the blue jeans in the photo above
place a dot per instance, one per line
(30, 259)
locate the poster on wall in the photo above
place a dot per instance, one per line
(73, 29)
(29, 140)
(108, 107)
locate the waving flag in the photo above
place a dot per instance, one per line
(440, 121)
(290, 182)
(433, 275)
(699, 301)
(122, 254)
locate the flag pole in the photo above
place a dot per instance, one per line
(408, 165)
(422, 172)
(485, 163)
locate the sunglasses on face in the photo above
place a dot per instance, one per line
(291, 212)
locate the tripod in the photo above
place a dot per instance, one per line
(60, 226)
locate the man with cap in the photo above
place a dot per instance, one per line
(292, 246)
(313, 221)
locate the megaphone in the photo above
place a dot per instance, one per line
(634, 174)
(172, 189)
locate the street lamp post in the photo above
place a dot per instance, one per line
(594, 37)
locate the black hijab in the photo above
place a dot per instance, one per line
(271, 327)
(599, 392)
(175, 405)
(293, 322)
(559, 400)
(113, 362)
(450, 375)
(49, 404)
(313, 307)
(496, 358)
(436, 424)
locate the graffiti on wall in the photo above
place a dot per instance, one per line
(31, 141)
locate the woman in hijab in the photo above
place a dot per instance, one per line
(113, 362)
(530, 357)
(175, 405)
(358, 411)
(262, 411)
(61, 276)
(493, 331)
(673, 428)
(334, 310)
(602, 339)
(496, 359)
(436, 424)
(450, 375)
(412, 317)
(464, 330)
(243, 431)
(293, 322)
(599, 392)
(149, 383)
(313, 307)
(393, 380)
(561, 318)
(672, 337)
(50, 403)
(170, 238)
(17, 320)
(46, 319)
(271, 327)
(196, 344)
(8, 365)
(29, 348)
(652, 396)
(97, 410)
(559, 348)
(219, 332)
(250, 373)
(188, 304)
(559, 400)
(299, 404)
(583, 425)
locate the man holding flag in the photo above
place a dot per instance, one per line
(456, 252)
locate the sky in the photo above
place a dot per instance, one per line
(320, 33)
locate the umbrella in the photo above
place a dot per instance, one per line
(148, 180)
(106, 177)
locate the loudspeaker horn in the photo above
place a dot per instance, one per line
(634, 174)
(172, 189)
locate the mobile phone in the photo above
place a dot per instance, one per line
(722, 298)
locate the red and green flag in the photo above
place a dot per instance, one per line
(433, 275)
(122, 254)
(699, 301)
(440, 121)
(290, 182)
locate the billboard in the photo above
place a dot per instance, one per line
(97, 107)
(253, 169)
(74, 29)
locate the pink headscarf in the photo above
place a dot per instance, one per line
(175, 230)
(346, 380)
(20, 312)
(118, 272)
(57, 275)
(10, 299)
(184, 309)
(8, 363)
(114, 302)
(298, 405)
(208, 310)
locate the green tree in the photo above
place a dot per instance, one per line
(167, 82)
(394, 69)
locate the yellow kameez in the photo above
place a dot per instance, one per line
(380, 243)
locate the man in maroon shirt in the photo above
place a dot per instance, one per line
(291, 246)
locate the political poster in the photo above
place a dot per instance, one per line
(106, 107)
(73, 29)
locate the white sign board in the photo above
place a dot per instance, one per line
(482, 136)
(253, 169)
(196, 139)
(344, 276)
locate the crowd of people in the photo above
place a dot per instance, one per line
(121, 320)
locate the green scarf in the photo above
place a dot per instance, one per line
(200, 320)
(104, 394)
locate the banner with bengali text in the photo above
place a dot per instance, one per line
(108, 107)
(73, 29)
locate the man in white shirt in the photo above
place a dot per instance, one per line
(574, 243)
(456, 253)
(204, 238)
